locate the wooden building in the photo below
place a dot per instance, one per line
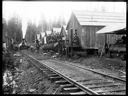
(85, 25)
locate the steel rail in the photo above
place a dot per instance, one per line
(113, 77)
(85, 89)
(68, 79)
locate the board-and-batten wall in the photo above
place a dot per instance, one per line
(73, 24)
(111, 38)
(93, 40)
(87, 35)
(90, 38)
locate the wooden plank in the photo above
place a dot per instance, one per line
(61, 82)
(71, 89)
(52, 75)
(66, 85)
(78, 93)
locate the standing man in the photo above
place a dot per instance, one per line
(37, 45)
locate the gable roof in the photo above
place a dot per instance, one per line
(116, 28)
(99, 18)
(63, 30)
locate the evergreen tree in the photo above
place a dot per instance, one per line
(31, 31)
(4, 31)
(15, 29)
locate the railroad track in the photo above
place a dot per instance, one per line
(103, 74)
(69, 85)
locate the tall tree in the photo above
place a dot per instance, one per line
(4, 31)
(15, 29)
(43, 24)
(31, 32)
(58, 22)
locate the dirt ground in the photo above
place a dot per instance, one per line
(112, 66)
(101, 63)
(29, 80)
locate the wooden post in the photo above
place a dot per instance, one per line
(105, 42)
(103, 45)
(67, 45)
(71, 42)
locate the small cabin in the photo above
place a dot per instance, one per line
(85, 24)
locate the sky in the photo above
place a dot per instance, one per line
(33, 11)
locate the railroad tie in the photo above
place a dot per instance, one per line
(72, 89)
(47, 72)
(56, 78)
(78, 93)
(66, 85)
(61, 82)
(51, 75)
(44, 70)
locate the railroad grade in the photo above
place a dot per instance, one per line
(103, 74)
(76, 84)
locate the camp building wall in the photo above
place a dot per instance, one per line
(73, 25)
(87, 34)
(89, 38)
(111, 38)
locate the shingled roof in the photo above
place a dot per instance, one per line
(99, 18)
(115, 28)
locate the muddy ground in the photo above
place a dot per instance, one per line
(112, 66)
(28, 79)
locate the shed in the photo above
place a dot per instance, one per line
(86, 24)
